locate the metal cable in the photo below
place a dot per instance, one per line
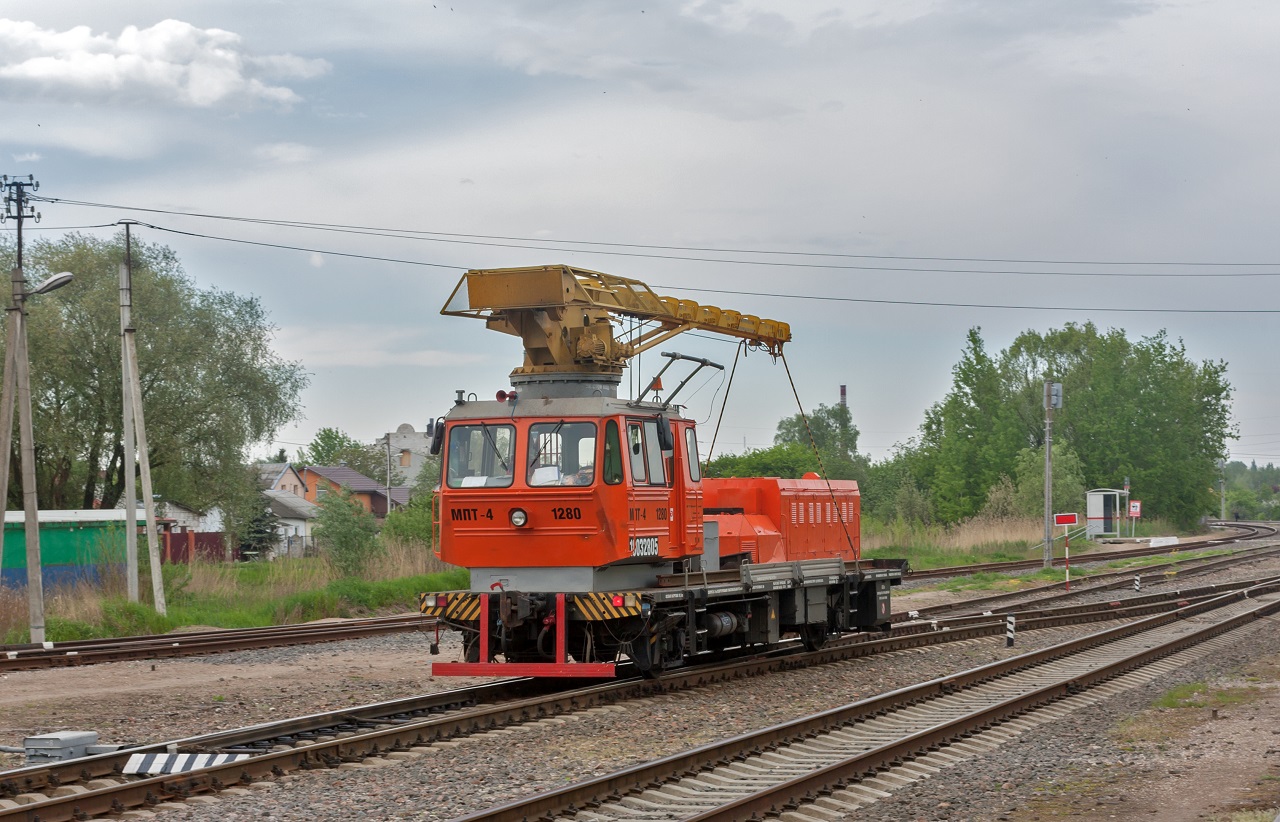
(844, 526)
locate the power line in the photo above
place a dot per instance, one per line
(827, 298)
(501, 241)
(742, 293)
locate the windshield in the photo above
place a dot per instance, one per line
(561, 453)
(480, 456)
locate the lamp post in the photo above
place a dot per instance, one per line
(17, 379)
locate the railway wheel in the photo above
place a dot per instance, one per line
(646, 653)
(813, 635)
(470, 647)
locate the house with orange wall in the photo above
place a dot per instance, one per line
(325, 479)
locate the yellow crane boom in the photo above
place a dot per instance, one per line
(565, 316)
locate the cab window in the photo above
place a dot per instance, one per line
(648, 467)
(480, 456)
(635, 449)
(691, 455)
(561, 453)
(612, 468)
(653, 454)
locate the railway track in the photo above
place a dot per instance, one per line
(1136, 579)
(97, 785)
(839, 760)
(92, 651)
(1247, 531)
(89, 652)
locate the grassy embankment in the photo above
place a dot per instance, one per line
(239, 595)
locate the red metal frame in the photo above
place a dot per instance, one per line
(561, 667)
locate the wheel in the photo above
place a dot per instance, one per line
(813, 635)
(646, 653)
(470, 648)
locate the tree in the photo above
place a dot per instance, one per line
(969, 439)
(1132, 409)
(833, 434)
(1068, 481)
(790, 460)
(211, 384)
(331, 446)
(345, 532)
(261, 533)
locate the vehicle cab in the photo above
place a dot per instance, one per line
(573, 493)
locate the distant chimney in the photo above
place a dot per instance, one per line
(844, 397)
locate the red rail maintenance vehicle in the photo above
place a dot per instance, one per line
(589, 531)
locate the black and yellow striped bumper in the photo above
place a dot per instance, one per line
(462, 606)
(459, 606)
(598, 606)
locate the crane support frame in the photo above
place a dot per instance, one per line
(565, 316)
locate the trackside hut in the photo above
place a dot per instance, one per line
(74, 545)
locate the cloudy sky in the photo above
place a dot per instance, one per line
(883, 175)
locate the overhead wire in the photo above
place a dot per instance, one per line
(736, 292)
(520, 242)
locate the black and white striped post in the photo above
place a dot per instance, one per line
(1137, 582)
(1009, 621)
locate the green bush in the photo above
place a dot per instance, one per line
(413, 522)
(346, 533)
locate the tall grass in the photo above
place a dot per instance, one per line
(975, 540)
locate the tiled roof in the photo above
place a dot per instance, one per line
(292, 506)
(348, 477)
(269, 472)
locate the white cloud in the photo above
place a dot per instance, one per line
(285, 153)
(29, 157)
(172, 61)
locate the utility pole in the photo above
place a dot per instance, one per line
(132, 382)
(1052, 400)
(126, 391)
(17, 381)
(1222, 489)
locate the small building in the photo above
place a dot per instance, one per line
(186, 518)
(372, 495)
(296, 516)
(406, 450)
(74, 545)
(281, 476)
(1104, 512)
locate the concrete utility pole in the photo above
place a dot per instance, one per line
(130, 448)
(17, 380)
(1222, 489)
(1052, 400)
(133, 388)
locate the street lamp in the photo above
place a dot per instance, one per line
(17, 375)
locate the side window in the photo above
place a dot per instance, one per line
(653, 454)
(612, 468)
(635, 448)
(691, 455)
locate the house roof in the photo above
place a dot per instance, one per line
(343, 476)
(399, 493)
(291, 506)
(269, 472)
